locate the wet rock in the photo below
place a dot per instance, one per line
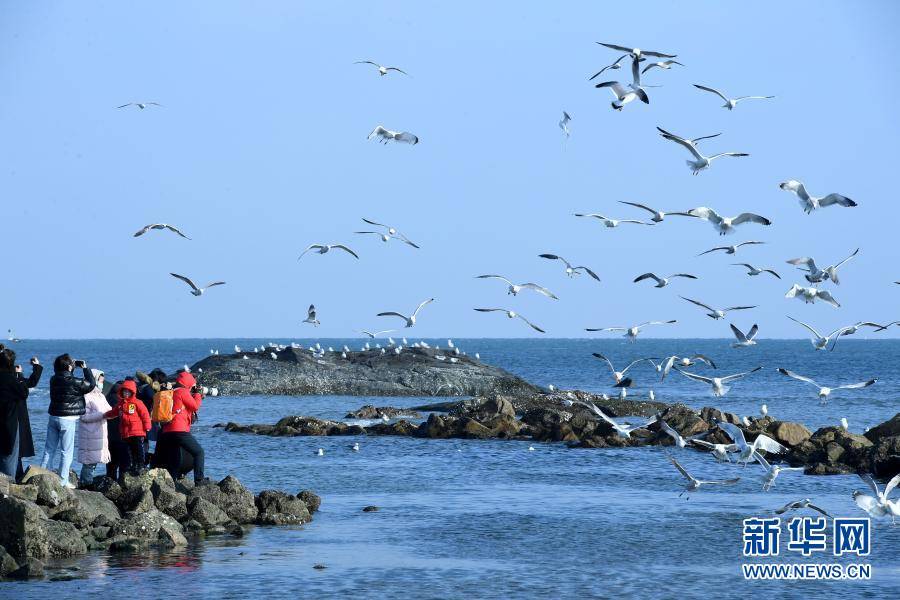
(483, 409)
(108, 487)
(787, 433)
(435, 427)
(146, 526)
(890, 428)
(311, 500)
(25, 492)
(128, 545)
(231, 497)
(50, 491)
(171, 538)
(7, 563)
(205, 512)
(31, 568)
(278, 508)
(370, 411)
(682, 419)
(885, 456)
(711, 415)
(169, 500)
(25, 530)
(137, 499)
(400, 428)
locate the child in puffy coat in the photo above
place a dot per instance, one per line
(134, 423)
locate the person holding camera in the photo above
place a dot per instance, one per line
(66, 406)
(14, 412)
(176, 434)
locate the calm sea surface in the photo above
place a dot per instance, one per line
(466, 518)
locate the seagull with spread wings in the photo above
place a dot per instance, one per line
(311, 316)
(515, 288)
(772, 471)
(824, 391)
(140, 105)
(717, 384)
(571, 270)
(694, 484)
(716, 313)
(744, 340)
(158, 226)
(622, 430)
(611, 222)
(637, 52)
(749, 452)
(816, 275)
(662, 282)
(729, 249)
(809, 295)
(382, 70)
(197, 291)
(631, 332)
(324, 248)
(375, 334)
(386, 135)
(512, 315)
(618, 375)
(820, 342)
(624, 94)
(700, 162)
(810, 203)
(753, 271)
(879, 505)
(564, 123)
(801, 504)
(726, 225)
(658, 215)
(411, 319)
(730, 103)
(388, 233)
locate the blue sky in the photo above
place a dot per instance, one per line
(260, 150)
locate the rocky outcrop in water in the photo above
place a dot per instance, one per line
(413, 372)
(41, 519)
(381, 412)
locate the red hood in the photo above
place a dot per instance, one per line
(185, 380)
(128, 384)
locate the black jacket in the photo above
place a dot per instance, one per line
(14, 410)
(26, 442)
(67, 393)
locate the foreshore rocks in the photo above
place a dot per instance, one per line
(40, 519)
(413, 372)
(381, 412)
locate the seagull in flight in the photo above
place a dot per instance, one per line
(512, 315)
(816, 275)
(140, 105)
(719, 451)
(381, 69)
(637, 52)
(810, 294)
(753, 271)
(729, 249)
(611, 222)
(772, 471)
(631, 332)
(811, 203)
(613, 66)
(694, 484)
(715, 313)
(879, 505)
(324, 248)
(570, 270)
(700, 162)
(665, 65)
(658, 215)
(680, 440)
(717, 384)
(726, 225)
(622, 430)
(624, 94)
(311, 316)
(375, 334)
(618, 375)
(662, 282)
(747, 451)
(386, 135)
(515, 288)
(197, 291)
(820, 342)
(683, 361)
(410, 320)
(693, 142)
(730, 103)
(744, 340)
(564, 123)
(825, 392)
(171, 228)
(388, 233)
(801, 504)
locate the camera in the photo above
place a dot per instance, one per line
(80, 364)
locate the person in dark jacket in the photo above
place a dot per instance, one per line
(13, 395)
(176, 434)
(66, 405)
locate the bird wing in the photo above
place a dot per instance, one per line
(711, 249)
(836, 199)
(734, 432)
(871, 483)
(867, 503)
(707, 213)
(532, 325)
(635, 221)
(366, 62)
(391, 314)
(713, 90)
(737, 376)
(738, 333)
(750, 218)
(721, 154)
(311, 311)
(396, 69)
(186, 280)
(594, 215)
(681, 469)
(501, 277)
(680, 140)
(819, 510)
(694, 376)
(730, 308)
(379, 131)
(601, 357)
(764, 442)
(772, 272)
(747, 243)
(635, 72)
(856, 386)
(797, 187)
(606, 329)
(674, 434)
(704, 359)
(826, 296)
(539, 289)
(174, 229)
(814, 332)
(632, 363)
(143, 230)
(759, 458)
(731, 481)
(422, 304)
(346, 249)
(705, 137)
(739, 98)
(310, 247)
(555, 257)
(702, 443)
(638, 205)
(588, 271)
(407, 137)
(855, 252)
(797, 377)
(371, 222)
(124, 105)
(656, 323)
(491, 310)
(647, 276)
(894, 482)
(658, 54)
(753, 331)
(667, 366)
(698, 303)
(214, 284)
(685, 275)
(615, 47)
(406, 240)
(804, 260)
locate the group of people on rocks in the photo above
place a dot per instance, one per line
(111, 424)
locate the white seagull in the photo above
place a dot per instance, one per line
(879, 505)
(622, 430)
(719, 451)
(801, 504)
(816, 275)
(700, 162)
(716, 313)
(140, 105)
(730, 103)
(570, 270)
(611, 222)
(824, 392)
(664, 64)
(726, 225)
(637, 52)
(382, 70)
(410, 320)
(729, 249)
(680, 440)
(631, 332)
(747, 451)
(623, 94)
(311, 316)
(386, 135)
(388, 233)
(820, 342)
(683, 361)
(694, 484)
(171, 228)
(197, 291)
(753, 271)
(376, 333)
(614, 66)
(772, 471)
(744, 340)
(564, 123)
(658, 215)
(662, 282)
(618, 375)
(717, 384)
(693, 141)
(515, 288)
(811, 203)
(512, 315)
(810, 294)
(324, 248)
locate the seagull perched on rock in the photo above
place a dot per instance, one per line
(683, 361)
(662, 282)
(824, 392)
(140, 105)
(571, 271)
(700, 162)
(811, 203)
(631, 332)
(388, 233)
(624, 94)
(879, 505)
(324, 248)
(658, 215)
(611, 222)
(618, 375)
(730, 103)
(729, 249)
(717, 384)
(512, 315)
(564, 123)
(386, 135)
(637, 52)
(801, 504)
(382, 70)
(753, 271)
(694, 484)
(772, 471)
(197, 291)
(171, 228)
(726, 225)
(716, 313)
(515, 288)
(744, 340)
(816, 275)
(311, 316)
(749, 452)
(410, 320)
(810, 294)
(622, 430)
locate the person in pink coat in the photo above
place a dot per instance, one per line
(93, 444)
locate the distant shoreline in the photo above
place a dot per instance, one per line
(437, 338)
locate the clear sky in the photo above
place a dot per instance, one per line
(260, 149)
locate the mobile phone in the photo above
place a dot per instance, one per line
(79, 364)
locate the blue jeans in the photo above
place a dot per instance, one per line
(9, 462)
(60, 440)
(87, 473)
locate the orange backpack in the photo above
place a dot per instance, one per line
(162, 406)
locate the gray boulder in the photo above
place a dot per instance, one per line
(311, 500)
(278, 508)
(26, 531)
(31, 568)
(231, 496)
(206, 513)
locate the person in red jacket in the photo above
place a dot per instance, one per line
(176, 434)
(134, 423)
